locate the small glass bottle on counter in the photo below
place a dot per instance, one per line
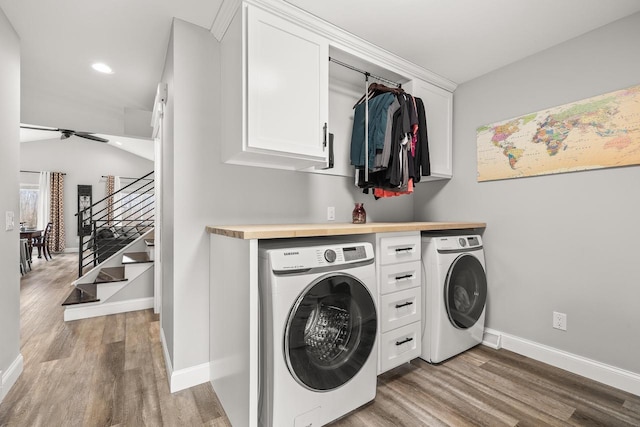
(359, 215)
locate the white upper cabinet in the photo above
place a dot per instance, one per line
(284, 103)
(438, 106)
(281, 97)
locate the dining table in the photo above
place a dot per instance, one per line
(31, 234)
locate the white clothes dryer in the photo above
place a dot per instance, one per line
(455, 295)
(318, 331)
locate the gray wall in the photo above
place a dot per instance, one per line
(9, 165)
(199, 190)
(84, 162)
(566, 242)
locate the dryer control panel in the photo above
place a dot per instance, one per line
(458, 243)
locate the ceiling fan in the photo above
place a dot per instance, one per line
(66, 133)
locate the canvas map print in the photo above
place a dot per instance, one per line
(598, 132)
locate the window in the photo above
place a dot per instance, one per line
(136, 209)
(29, 205)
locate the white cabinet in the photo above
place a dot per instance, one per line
(280, 96)
(399, 298)
(274, 92)
(438, 105)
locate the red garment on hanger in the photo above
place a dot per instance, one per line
(381, 192)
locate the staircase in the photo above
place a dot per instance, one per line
(115, 265)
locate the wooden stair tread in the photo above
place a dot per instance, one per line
(110, 274)
(82, 293)
(136, 258)
(150, 242)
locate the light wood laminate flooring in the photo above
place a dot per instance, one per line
(109, 371)
(104, 371)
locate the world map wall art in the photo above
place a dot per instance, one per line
(598, 132)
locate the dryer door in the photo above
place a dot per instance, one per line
(465, 291)
(330, 332)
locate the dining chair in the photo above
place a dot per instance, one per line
(42, 242)
(25, 262)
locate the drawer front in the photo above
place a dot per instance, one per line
(398, 277)
(399, 249)
(399, 346)
(400, 308)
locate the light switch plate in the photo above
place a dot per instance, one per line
(9, 223)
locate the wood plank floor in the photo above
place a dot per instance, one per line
(109, 371)
(105, 371)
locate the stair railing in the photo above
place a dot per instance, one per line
(115, 223)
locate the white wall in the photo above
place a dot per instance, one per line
(166, 186)
(10, 148)
(566, 242)
(199, 190)
(84, 162)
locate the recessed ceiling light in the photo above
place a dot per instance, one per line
(118, 143)
(102, 68)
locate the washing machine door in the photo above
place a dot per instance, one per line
(465, 291)
(330, 332)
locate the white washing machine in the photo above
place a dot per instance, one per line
(455, 295)
(318, 331)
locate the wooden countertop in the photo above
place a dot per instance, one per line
(283, 231)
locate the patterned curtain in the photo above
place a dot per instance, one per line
(57, 241)
(110, 188)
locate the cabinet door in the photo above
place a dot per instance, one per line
(287, 86)
(438, 105)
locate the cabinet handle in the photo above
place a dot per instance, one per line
(404, 304)
(404, 249)
(406, 276)
(404, 341)
(324, 133)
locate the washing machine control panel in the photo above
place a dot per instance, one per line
(301, 258)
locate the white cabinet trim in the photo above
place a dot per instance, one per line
(337, 37)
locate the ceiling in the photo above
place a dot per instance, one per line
(458, 39)
(138, 146)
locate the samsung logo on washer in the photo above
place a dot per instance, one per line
(291, 253)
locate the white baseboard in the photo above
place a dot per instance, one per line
(10, 376)
(167, 358)
(187, 377)
(71, 250)
(85, 311)
(597, 371)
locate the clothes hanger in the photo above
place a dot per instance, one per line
(377, 88)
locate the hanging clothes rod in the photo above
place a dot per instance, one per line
(366, 73)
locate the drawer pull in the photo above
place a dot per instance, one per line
(404, 341)
(406, 276)
(404, 304)
(404, 249)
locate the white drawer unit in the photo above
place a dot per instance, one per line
(399, 247)
(399, 298)
(400, 308)
(399, 346)
(398, 277)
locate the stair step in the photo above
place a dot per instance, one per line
(150, 242)
(110, 274)
(136, 258)
(82, 293)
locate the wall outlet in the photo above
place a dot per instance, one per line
(560, 321)
(331, 213)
